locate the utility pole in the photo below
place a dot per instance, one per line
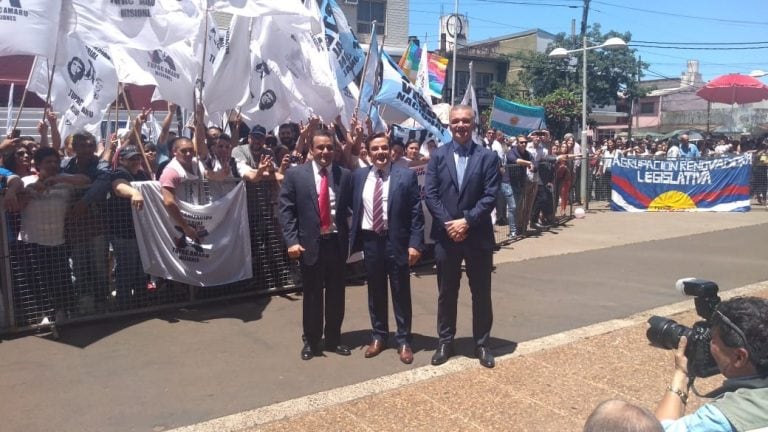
(584, 111)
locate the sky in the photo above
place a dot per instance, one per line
(721, 27)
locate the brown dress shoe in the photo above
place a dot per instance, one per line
(406, 354)
(375, 348)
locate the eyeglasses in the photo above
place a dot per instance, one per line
(733, 327)
(22, 153)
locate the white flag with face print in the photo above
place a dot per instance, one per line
(83, 87)
(257, 8)
(29, 27)
(171, 70)
(139, 24)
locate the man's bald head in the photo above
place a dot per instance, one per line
(616, 415)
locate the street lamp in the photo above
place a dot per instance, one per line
(560, 53)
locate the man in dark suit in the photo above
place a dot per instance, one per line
(461, 184)
(314, 204)
(388, 226)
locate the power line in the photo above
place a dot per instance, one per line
(681, 15)
(700, 43)
(632, 44)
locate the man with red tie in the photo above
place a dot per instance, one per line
(314, 205)
(388, 226)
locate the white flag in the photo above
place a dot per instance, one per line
(291, 73)
(471, 98)
(269, 101)
(84, 84)
(136, 24)
(231, 69)
(29, 27)
(258, 8)
(224, 252)
(171, 70)
(422, 76)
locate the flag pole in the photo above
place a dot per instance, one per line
(24, 96)
(365, 66)
(139, 144)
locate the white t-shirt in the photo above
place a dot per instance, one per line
(42, 220)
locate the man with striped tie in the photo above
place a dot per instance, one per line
(388, 226)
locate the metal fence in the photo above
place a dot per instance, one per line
(61, 267)
(530, 202)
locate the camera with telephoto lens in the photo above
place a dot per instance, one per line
(665, 333)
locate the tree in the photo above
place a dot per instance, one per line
(610, 73)
(563, 110)
(556, 83)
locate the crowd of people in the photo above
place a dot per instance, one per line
(340, 191)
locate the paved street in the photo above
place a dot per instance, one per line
(178, 368)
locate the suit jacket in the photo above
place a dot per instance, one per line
(300, 213)
(405, 218)
(473, 200)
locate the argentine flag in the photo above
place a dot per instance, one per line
(515, 119)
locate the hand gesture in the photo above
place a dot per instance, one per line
(137, 201)
(171, 107)
(42, 128)
(50, 116)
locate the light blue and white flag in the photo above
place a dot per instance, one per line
(398, 92)
(347, 56)
(515, 119)
(371, 76)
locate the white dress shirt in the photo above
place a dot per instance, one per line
(368, 190)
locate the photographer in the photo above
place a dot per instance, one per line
(739, 346)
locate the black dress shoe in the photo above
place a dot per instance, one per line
(307, 353)
(340, 350)
(485, 356)
(441, 355)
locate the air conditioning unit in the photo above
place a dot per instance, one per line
(350, 2)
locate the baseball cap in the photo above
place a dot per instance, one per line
(129, 151)
(258, 130)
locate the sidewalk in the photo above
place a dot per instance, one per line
(547, 384)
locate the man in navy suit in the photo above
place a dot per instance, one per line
(314, 205)
(388, 226)
(461, 184)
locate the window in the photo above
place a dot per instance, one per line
(482, 82)
(462, 79)
(369, 11)
(647, 108)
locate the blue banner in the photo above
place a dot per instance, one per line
(720, 184)
(347, 56)
(398, 92)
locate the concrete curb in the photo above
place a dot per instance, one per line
(295, 407)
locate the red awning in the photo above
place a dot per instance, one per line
(15, 69)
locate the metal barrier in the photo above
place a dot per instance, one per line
(58, 267)
(529, 201)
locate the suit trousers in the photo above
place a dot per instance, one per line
(479, 264)
(380, 266)
(324, 294)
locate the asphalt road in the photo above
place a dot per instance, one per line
(171, 369)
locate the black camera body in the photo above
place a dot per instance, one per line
(665, 333)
